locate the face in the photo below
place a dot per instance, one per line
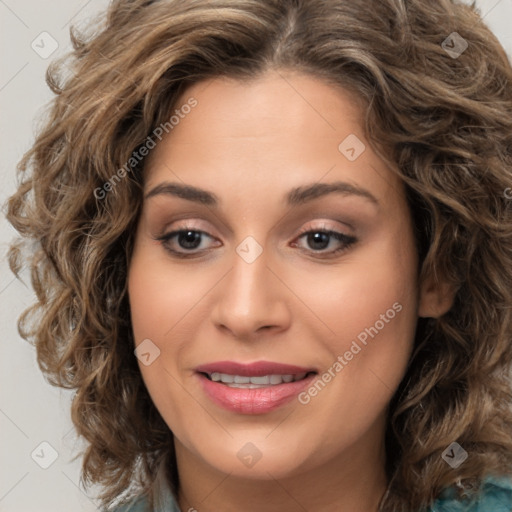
(274, 252)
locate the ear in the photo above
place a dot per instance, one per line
(436, 297)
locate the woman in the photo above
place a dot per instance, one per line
(276, 257)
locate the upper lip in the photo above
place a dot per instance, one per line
(257, 369)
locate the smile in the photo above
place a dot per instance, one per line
(254, 388)
(254, 382)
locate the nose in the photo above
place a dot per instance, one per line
(251, 299)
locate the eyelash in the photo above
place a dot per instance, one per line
(347, 240)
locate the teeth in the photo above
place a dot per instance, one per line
(215, 376)
(239, 381)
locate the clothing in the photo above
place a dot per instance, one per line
(496, 496)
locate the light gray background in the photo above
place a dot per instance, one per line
(31, 411)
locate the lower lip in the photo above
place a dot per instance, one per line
(253, 401)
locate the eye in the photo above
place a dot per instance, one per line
(321, 238)
(184, 241)
(188, 242)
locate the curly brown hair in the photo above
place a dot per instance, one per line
(445, 122)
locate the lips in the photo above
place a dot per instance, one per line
(254, 388)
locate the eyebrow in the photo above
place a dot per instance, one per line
(188, 192)
(295, 197)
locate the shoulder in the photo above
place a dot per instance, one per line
(136, 505)
(163, 497)
(141, 505)
(495, 496)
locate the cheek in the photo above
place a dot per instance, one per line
(161, 296)
(155, 311)
(165, 306)
(368, 313)
(361, 292)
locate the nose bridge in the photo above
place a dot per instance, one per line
(250, 298)
(248, 286)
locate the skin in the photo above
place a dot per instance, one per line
(249, 143)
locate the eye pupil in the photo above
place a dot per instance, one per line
(318, 238)
(189, 239)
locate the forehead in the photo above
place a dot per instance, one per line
(266, 105)
(269, 131)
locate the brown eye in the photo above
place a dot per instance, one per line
(184, 242)
(319, 239)
(189, 239)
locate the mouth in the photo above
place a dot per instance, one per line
(254, 381)
(254, 388)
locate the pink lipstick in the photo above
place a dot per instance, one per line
(255, 388)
